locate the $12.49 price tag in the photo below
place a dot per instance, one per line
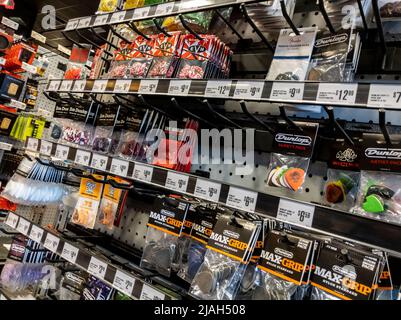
(295, 212)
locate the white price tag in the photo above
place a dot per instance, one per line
(62, 152)
(6, 146)
(344, 93)
(148, 86)
(29, 68)
(140, 13)
(287, 91)
(71, 25)
(46, 147)
(36, 234)
(32, 144)
(124, 282)
(249, 90)
(69, 253)
(242, 199)
(64, 50)
(122, 86)
(101, 20)
(117, 17)
(51, 242)
(54, 85)
(164, 8)
(12, 220)
(23, 226)
(99, 86)
(143, 173)
(207, 190)
(79, 85)
(218, 89)
(179, 87)
(97, 268)
(38, 36)
(99, 162)
(383, 95)
(66, 85)
(9, 23)
(17, 104)
(148, 293)
(2, 61)
(177, 182)
(84, 22)
(295, 212)
(82, 157)
(119, 167)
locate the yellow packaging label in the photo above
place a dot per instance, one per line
(91, 189)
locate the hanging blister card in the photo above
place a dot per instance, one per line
(344, 273)
(118, 130)
(229, 249)
(289, 161)
(78, 131)
(105, 122)
(385, 285)
(283, 261)
(292, 55)
(342, 176)
(60, 119)
(165, 224)
(87, 206)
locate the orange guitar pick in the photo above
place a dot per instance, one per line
(295, 178)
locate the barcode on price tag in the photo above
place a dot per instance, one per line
(218, 89)
(118, 17)
(29, 68)
(84, 22)
(119, 167)
(99, 162)
(207, 190)
(62, 152)
(141, 12)
(46, 147)
(287, 91)
(79, 85)
(242, 199)
(97, 268)
(17, 104)
(122, 86)
(249, 90)
(148, 86)
(124, 282)
(51, 242)
(148, 293)
(12, 220)
(177, 182)
(9, 23)
(295, 212)
(32, 144)
(72, 25)
(66, 85)
(23, 226)
(143, 173)
(36, 234)
(179, 87)
(53, 85)
(101, 20)
(382, 95)
(165, 8)
(99, 86)
(69, 253)
(337, 92)
(82, 157)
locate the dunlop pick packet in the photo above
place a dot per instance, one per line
(291, 152)
(230, 247)
(87, 206)
(166, 221)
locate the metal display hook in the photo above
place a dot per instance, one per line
(336, 125)
(326, 18)
(113, 31)
(254, 118)
(190, 114)
(188, 28)
(64, 33)
(150, 106)
(233, 29)
(220, 116)
(284, 116)
(160, 28)
(287, 18)
(134, 28)
(380, 30)
(97, 35)
(383, 127)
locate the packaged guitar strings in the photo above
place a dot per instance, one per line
(289, 161)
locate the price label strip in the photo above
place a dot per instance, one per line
(72, 25)
(29, 68)
(117, 17)
(119, 167)
(32, 144)
(177, 182)
(53, 85)
(207, 190)
(100, 86)
(70, 253)
(165, 8)
(148, 293)
(295, 212)
(101, 20)
(218, 89)
(23, 226)
(250, 90)
(124, 282)
(122, 86)
(82, 157)
(84, 23)
(46, 148)
(79, 86)
(62, 152)
(287, 91)
(140, 13)
(12, 220)
(17, 104)
(148, 86)
(341, 93)
(51, 242)
(143, 173)
(381, 95)
(179, 87)
(99, 162)
(242, 199)
(66, 85)
(36, 234)
(97, 268)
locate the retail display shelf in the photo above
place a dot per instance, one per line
(385, 236)
(150, 12)
(357, 95)
(119, 279)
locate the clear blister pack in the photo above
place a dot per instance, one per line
(77, 133)
(102, 139)
(379, 196)
(341, 189)
(273, 288)
(287, 171)
(321, 295)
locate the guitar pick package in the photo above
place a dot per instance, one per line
(389, 9)
(105, 122)
(289, 161)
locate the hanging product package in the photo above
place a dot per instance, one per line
(379, 194)
(118, 130)
(390, 9)
(119, 66)
(291, 154)
(230, 247)
(292, 55)
(165, 225)
(106, 6)
(105, 122)
(132, 4)
(284, 260)
(76, 67)
(87, 207)
(141, 57)
(342, 177)
(344, 273)
(60, 120)
(385, 285)
(199, 22)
